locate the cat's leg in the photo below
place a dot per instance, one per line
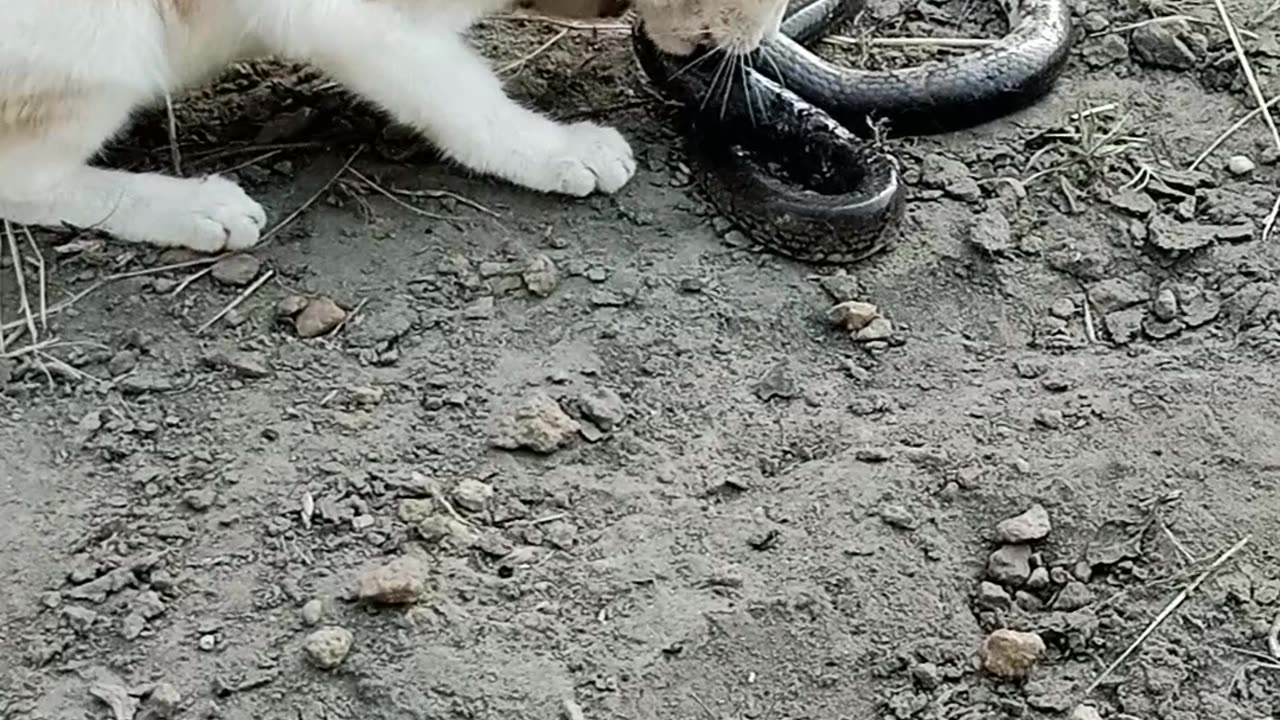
(45, 141)
(429, 78)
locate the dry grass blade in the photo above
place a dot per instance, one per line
(42, 276)
(24, 300)
(391, 196)
(239, 299)
(1247, 68)
(1167, 611)
(520, 62)
(1270, 223)
(1235, 127)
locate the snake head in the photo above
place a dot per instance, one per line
(738, 27)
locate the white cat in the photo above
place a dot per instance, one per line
(73, 71)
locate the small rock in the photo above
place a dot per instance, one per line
(132, 626)
(161, 703)
(1010, 653)
(399, 582)
(1085, 712)
(1161, 45)
(312, 611)
(328, 647)
(898, 516)
(1240, 165)
(1133, 202)
(122, 363)
(364, 395)
(1063, 307)
(604, 407)
(1165, 305)
(1010, 565)
(200, 499)
(992, 233)
(878, 329)
(1028, 527)
(207, 642)
(320, 317)
(876, 454)
(290, 306)
(415, 510)
(472, 495)
(541, 276)
(237, 270)
(779, 382)
(481, 309)
(1050, 418)
(993, 597)
(123, 705)
(1073, 596)
(926, 676)
(853, 315)
(250, 365)
(1039, 579)
(537, 424)
(1115, 294)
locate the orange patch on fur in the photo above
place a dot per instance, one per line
(32, 113)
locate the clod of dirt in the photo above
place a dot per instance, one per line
(541, 276)
(1010, 565)
(604, 407)
(853, 315)
(123, 705)
(328, 647)
(1165, 305)
(399, 582)
(1115, 294)
(319, 317)
(472, 495)
(1133, 202)
(538, 424)
(779, 383)
(161, 703)
(312, 611)
(993, 597)
(1172, 236)
(1164, 45)
(898, 516)
(1124, 325)
(951, 176)
(415, 510)
(1240, 165)
(1011, 654)
(237, 270)
(992, 233)
(1028, 527)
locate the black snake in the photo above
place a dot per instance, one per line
(774, 145)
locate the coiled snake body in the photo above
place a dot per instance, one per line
(774, 148)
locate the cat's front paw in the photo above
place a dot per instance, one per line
(589, 158)
(208, 215)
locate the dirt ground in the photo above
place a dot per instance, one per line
(738, 510)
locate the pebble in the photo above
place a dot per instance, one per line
(1124, 325)
(399, 582)
(538, 424)
(926, 675)
(853, 315)
(1115, 294)
(1011, 653)
(122, 363)
(993, 597)
(251, 365)
(291, 305)
(1240, 165)
(319, 317)
(1050, 418)
(1063, 307)
(1133, 201)
(312, 611)
(328, 647)
(415, 510)
(1161, 45)
(1010, 565)
(1039, 579)
(237, 270)
(878, 329)
(1085, 712)
(604, 407)
(1165, 305)
(1030, 526)
(951, 176)
(898, 516)
(472, 495)
(161, 703)
(200, 499)
(207, 643)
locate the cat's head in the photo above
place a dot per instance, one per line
(736, 26)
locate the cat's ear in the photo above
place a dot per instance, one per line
(584, 9)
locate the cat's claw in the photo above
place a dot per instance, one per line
(590, 158)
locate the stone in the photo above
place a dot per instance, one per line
(472, 495)
(1133, 202)
(1240, 165)
(993, 597)
(249, 365)
(1028, 527)
(537, 424)
(1165, 305)
(853, 315)
(992, 233)
(161, 703)
(399, 582)
(878, 329)
(1161, 45)
(320, 317)
(326, 648)
(604, 407)
(1039, 579)
(1010, 565)
(541, 276)
(951, 176)
(1115, 294)
(1085, 712)
(1011, 654)
(1073, 596)
(236, 270)
(1124, 325)
(312, 611)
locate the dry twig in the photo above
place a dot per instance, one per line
(1247, 68)
(239, 299)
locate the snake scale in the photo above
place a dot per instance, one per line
(775, 151)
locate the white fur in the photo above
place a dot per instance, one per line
(72, 72)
